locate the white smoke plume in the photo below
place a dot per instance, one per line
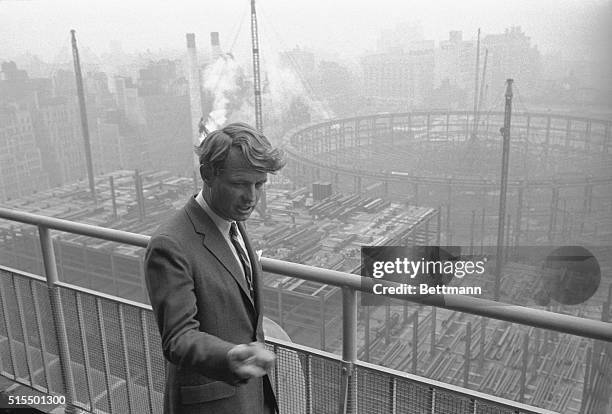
(220, 79)
(246, 112)
(281, 85)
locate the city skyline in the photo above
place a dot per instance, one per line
(576, 29)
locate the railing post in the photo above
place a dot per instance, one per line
(146, 348)
(308, 380)
(525, 358)
(432, 345)
(466, 362)
(349, 351)
(472, 232)
(85, 346)
(415, 341)
(322, 321)
(366, 336)
(48, 255)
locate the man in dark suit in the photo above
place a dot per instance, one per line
(204, 283)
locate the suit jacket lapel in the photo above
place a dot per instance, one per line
(216, 244)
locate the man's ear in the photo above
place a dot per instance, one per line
(206, 173)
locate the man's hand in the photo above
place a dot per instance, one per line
(250, 360)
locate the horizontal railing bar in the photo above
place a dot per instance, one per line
(24, 273)
(293, 346)
(106, 296)
(104, 233)
(483, 307)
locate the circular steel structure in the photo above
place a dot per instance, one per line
(559, 183)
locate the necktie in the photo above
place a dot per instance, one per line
(248, 274)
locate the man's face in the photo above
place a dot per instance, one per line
(235, 191)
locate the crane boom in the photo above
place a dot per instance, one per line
(82, 107)
(256, 72)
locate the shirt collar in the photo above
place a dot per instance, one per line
(222, 224)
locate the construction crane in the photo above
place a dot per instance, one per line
(476, 86)
(256, 74)
(262, 206)
(505, 132)
(84, 125)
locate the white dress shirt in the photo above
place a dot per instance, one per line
(224, 227)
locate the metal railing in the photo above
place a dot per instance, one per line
(103, 353)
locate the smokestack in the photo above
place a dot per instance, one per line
(215, 46)
(190, 41)
(214, 38)
(195, 94)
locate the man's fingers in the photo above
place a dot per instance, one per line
(263, 357)
(240, 353)
(247, 371)
(250, 360)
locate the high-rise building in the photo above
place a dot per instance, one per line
(159, 78)
(405, 36)
(11, 73)
(127, 101)
(58, 134)
(164, 105)
(98, 92)
(455, 62)
(107, 154)
(17, 86)
(336, 87)
(21, 171)
(64, 83)
(511, 55)
(398, 81)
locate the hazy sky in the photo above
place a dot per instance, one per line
(341, 27)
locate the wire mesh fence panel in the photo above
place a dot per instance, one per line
(137, 370)
(412, 398)
(96, 357)
(326, 380)
(446, 402)
(290, 379)
(78, 352)
(38, 356)
(484, 407)
(114, 370)
(6, 333)
(117, 365)
(27, 324)
(49, 338)
(375, 391)
(15, 332)
(156, 361)
(28, 342)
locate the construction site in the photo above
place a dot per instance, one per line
(558, 194)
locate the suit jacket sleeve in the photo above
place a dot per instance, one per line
(171, 290)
